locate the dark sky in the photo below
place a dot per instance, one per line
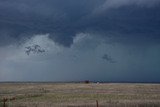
(97, 40)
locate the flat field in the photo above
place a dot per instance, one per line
(80, 95)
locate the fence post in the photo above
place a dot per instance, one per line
(4, 102)
(97, 103)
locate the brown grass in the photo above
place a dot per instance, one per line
(80, 95)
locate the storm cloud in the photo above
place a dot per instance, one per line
(106, 40)
(21, 19)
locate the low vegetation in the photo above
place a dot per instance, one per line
(79, 95)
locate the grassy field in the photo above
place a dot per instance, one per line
(80, 95)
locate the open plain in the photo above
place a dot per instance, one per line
(79, 95)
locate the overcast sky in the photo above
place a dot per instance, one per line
(97, 40)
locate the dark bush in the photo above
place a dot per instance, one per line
(87, 81)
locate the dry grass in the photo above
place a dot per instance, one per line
(80, 95)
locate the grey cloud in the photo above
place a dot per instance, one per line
(76, 35)
(108, 58)
(57, 63)
(120, 3)
(52, 16)
(21, 19)
(34, 49)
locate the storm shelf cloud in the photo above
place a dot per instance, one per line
(99, 40)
